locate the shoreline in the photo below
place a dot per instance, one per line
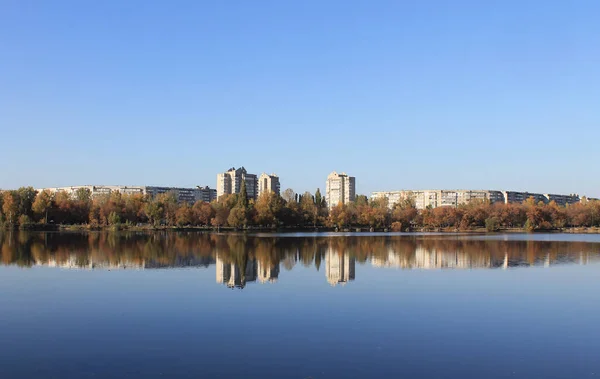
(365, 230)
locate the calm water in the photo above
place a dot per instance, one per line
(189, 305)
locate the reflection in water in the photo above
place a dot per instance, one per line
(240, 259)
(339, 267)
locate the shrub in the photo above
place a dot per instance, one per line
(491, 224)
(396, 226)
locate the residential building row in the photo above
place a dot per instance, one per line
(443, 198)
(190, 195)
(230, 182)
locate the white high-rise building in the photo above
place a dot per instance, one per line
(268, 183)
(340, 188)
(230, 182)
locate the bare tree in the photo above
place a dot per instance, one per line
(289, 195)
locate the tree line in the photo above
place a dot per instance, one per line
(26, 207)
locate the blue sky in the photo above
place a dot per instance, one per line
(400, 94)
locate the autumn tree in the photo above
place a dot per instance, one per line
(154, 211)
(42, 203)
(184, 214)
(221, 214)
(338, 216)
(168, 203)
(404, 214)
(289, 195)
(2, 219)
(10, 206)
(268, 209)
(202, 213)
(309, 209)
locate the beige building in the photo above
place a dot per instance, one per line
(340, 188)
(268, 183)
(453, 198)
(230, 182)
(189, 195)
(439, 198)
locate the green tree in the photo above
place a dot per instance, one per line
(237, 217)
(168, 202)
(26, 196)
(361, 200)
(154, 211)
(114, 219)
(319, 200)
(243, 196)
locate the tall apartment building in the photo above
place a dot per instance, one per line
(453, 198)
(340, 188)
(230, 182)
(268, 183)
(189, 195)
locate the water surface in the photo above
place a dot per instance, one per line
(191, 305)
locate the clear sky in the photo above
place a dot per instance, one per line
(401, 94)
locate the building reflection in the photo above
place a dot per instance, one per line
(339, 267)
(242, 259)
(236, 275)
(267, 272)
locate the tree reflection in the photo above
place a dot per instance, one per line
(240, 259)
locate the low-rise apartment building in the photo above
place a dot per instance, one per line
(443, 198)
(190, 195)
(438, 198)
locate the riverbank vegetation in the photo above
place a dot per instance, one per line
(25, 208)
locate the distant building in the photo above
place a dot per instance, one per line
(190, 195)
(268, 183)
(453, 198)
(339, 267)
(187, 195)
(519, 197)
(562, 199)
(439, 198)
(230, 182)
(206, 194)
(340, 188)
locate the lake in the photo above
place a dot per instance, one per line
(364, 305)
